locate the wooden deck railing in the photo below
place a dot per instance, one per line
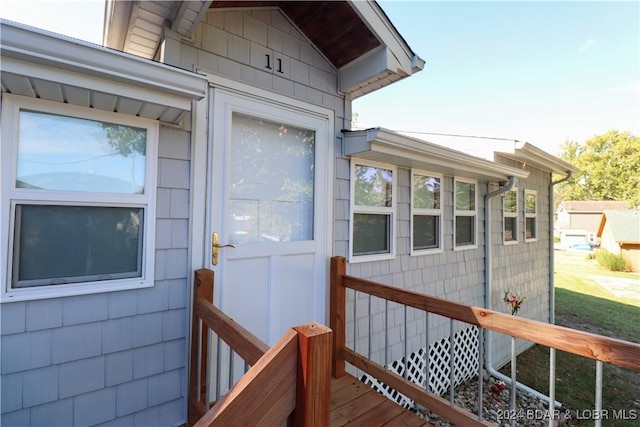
(597, 347)
(289, 381)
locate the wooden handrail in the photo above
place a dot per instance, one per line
(265, 395)
(605, 349)
(291, 380)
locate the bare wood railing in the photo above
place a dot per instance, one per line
(289, 381)
(597, 347)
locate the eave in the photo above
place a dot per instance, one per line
(528, 154)
(364, 47)
(40, 64)
(382, 145)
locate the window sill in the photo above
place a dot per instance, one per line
(58, 291)
(510, 242)
(420, 252)
(465, 247)
(354, 259)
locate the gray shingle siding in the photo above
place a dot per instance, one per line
(112, 357)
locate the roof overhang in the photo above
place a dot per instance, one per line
(366, 49)
(382, 145)
(36, 63)
(528, 154)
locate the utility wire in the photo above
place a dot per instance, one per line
(459, 136)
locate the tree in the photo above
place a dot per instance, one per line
(609, 168)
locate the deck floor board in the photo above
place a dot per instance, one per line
(355, 404)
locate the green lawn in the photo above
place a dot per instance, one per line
(581, 303)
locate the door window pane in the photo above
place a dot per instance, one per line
(425, 232)
(371, 234)
(271, 196)
(69, 244)
(73, 154)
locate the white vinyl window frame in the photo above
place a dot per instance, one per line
(389, 211)
(510, 215)
(465, 213)
(11, 196)
(432, 212)
(530, 215)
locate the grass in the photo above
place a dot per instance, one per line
(581, 303)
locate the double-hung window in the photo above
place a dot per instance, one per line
(510, 216)
(530, 215)
(373, 211)
(426, 217)
(78, 197)
(465, 213)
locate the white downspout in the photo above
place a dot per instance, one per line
(488, 276)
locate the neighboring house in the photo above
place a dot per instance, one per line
(122, 174)
(619, 233)
(577, 221)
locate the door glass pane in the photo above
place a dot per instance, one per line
(71, 154)
(69, 244)
(271, 193)
(371, 234)
(373, 186)
(425, 231)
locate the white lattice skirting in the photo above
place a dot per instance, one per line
(465, 366)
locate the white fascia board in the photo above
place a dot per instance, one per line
(390, 147)
(375, 18)
(76, 56)
(534, 156)
(392, 57)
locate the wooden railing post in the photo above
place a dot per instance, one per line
(337, 313)
(197, 407)
(313, 388)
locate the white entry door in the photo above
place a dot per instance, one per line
(269, 182)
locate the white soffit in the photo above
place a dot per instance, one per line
(137, 27)
(389, 147)
(40, 64)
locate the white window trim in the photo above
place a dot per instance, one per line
(530, 215)
(10, 196)
(429, 212)
(506, 214)
(356, 209)
(473, 213)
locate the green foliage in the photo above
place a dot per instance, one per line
(611, 261)
(609, 168)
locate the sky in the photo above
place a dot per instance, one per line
(542, 72)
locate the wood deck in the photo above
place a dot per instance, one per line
(354, 403)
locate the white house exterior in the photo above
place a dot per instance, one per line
(237, 134)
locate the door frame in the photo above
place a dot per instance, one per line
(201, 151)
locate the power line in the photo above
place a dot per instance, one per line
(459, 136)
